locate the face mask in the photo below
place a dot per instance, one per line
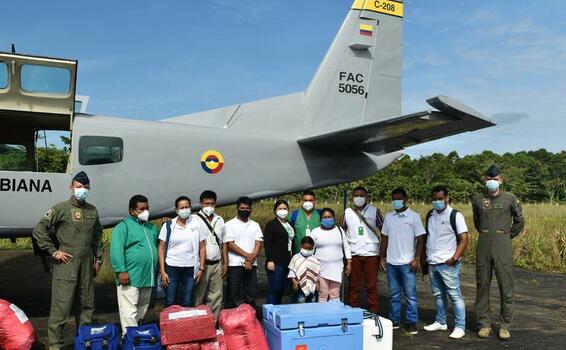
(308, 206)
(184, 213)
(327, 222)
(143, 216)
(397, 204)
(438, 205)
(492, 185)
(244, 214)
(359, 201)
(208, 211)
(282, 213)
(306, 252)
(80, 194)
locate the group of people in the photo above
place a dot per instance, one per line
(306, 249)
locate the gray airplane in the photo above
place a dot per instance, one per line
(345, 126)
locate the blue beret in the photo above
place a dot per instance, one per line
(82, 178)
(493, 171)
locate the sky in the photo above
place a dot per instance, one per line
(157, 59)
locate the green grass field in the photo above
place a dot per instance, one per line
(541, 247)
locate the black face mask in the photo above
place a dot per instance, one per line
(244, 214)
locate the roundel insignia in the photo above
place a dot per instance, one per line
(212, 161)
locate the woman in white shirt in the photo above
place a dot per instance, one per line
(331, 249)
(182, 254)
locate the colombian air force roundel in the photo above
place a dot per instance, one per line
(212, 161)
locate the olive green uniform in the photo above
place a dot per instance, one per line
(77, 231)
(498, 219)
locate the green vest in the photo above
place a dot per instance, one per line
(304, 226)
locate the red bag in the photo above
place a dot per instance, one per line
(186, 324)
(216, 344)
(16, 330)
(242, 329)
(186, 346)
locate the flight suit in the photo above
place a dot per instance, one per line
(498, 219)
(77, 231)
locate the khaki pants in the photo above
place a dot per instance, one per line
(209, 289)
(132, 304)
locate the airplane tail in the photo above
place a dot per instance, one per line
(359, 80)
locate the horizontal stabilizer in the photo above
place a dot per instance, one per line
(451, 118)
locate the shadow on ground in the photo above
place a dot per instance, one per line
(539, 322)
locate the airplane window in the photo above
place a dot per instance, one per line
(45, 79)
(78, 106)
(96, 150)
(13, 157)
(3, 75)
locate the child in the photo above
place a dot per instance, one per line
(303, 272)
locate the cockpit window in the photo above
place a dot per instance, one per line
(96, 150)
(3, 75)
(45, 79)
(78, 106)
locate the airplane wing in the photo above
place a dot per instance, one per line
(398, 133)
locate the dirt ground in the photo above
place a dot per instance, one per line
(539, 323)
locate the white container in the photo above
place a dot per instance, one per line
(376, 337)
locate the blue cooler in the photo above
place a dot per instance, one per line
(309, 326)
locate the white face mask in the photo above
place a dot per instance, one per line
(308, 206)
(359, 201)
(208, 211)
(184, 213)
(306, 253)
(282, 213)
(143, 216)
(492, 185)
(80, 194)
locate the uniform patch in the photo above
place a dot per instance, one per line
(498, 206)
(77, 215)
(212, 161)
(49, 213)
(486, 203)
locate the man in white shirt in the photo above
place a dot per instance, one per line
(446, 241)
(209, 290)
(401, 258)
(243, 237)
(363, 223)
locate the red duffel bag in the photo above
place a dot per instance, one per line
(186, 346)
(216, 344)
(242, 329)
(186, 324)
(16, 330)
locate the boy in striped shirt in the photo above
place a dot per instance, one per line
(303, 272)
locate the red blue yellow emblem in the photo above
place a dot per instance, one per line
(212, 161)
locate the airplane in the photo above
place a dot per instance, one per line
(345, 126)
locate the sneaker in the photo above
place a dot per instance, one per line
(457, 333)
(484, 333)
(436, 326)
(396, 325)
(504, 334)
(412, 329)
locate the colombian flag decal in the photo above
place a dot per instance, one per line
(212, 161)
(366, 29)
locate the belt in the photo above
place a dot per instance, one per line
(212, 262)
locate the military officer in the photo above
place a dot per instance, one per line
(498, 218)
(71, 233)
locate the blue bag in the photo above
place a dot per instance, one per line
(144, 337)
(101, 337)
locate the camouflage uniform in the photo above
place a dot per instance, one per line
(498, 219)
(77, 231)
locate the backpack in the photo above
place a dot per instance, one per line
(146, 337)
(101, 337)
(424, 263)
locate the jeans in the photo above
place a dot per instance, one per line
(445, 280)
(278, 283)
(402, 280)
(183, 277)
(300, 298)
(239, 277)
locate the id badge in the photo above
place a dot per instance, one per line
(289, 246)
(360, 231)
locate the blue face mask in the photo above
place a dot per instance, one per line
(438, 205)
(492, 185)
(398, 204)
(327, 222)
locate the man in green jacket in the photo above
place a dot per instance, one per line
(498, 218)
(305, 219)
(133, 253)
(71, 234)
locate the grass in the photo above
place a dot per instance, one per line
(541, 246)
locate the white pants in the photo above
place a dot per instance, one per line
(132, 304)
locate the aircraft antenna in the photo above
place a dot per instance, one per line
(13, 47)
